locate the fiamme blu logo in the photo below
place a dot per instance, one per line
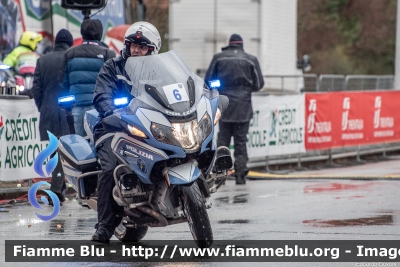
(50, 166)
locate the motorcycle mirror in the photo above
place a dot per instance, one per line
(223, 102)
(66, 102)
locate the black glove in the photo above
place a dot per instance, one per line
(108, 113)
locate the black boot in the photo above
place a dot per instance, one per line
(240, 179)
(102, 235)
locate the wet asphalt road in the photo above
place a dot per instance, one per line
(314, 209)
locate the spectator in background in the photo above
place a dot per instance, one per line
(46, 90)
(80, 68)
(240, 75)
(27, 43)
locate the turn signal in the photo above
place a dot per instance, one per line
(217, 116)
(136, 131)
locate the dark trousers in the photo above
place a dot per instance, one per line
(239, 132)
(106, 206)
(57, 184)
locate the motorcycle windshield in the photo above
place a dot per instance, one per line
(165, 82)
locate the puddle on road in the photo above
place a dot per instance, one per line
(27, 222)
(350, 197)
(57, 226)
(377, 220)
(233, 221)
(236, 199)
(334, 187)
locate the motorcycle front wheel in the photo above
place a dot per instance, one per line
(128, 234)
(197, 217)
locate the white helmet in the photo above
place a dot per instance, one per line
(143, 33)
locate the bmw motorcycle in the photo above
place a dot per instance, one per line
(169, 164)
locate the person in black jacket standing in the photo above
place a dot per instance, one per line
(46, 90)
(141, 39)
(240, 75)
(80, 68)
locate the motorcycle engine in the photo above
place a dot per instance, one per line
(129, 190)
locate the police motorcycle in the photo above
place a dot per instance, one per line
(169, 164)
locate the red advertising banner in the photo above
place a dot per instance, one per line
(318, 124)
(351, 118)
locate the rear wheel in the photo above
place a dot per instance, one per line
(130, 234)
(196, 214)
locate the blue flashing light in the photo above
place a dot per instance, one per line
(4, 67)
(215, 84)
(122, 101)
(66, 99)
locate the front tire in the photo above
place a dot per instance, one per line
(128, 234)
(196, 214)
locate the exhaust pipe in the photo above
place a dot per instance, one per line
(162, 220)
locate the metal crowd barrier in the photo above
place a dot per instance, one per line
(289, 84)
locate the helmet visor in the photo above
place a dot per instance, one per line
(140, 39)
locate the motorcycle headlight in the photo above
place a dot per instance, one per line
(163, 134)
(187, 135)
(205, 127)
(217, 116)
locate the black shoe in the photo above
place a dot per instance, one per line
(51, 202)
(241, 180)
(101, 236)
(97, 237)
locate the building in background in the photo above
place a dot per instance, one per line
(198, 30)
(48, 17)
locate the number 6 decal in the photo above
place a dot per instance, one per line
(175, 93)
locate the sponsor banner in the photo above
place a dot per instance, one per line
(349, 110)
(285, 124)
(257, 138)
(277, 126)
(351, 118)
(19, 139)
(383, 119)
(319, 130)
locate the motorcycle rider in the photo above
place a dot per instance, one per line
(23, 57)
(27, 43)
(141, 39)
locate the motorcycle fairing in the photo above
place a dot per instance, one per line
(140, 156)
(142, 120)
(90, 119)
(77, 155)
(184, 173)
(210, 106)
(80, 152)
